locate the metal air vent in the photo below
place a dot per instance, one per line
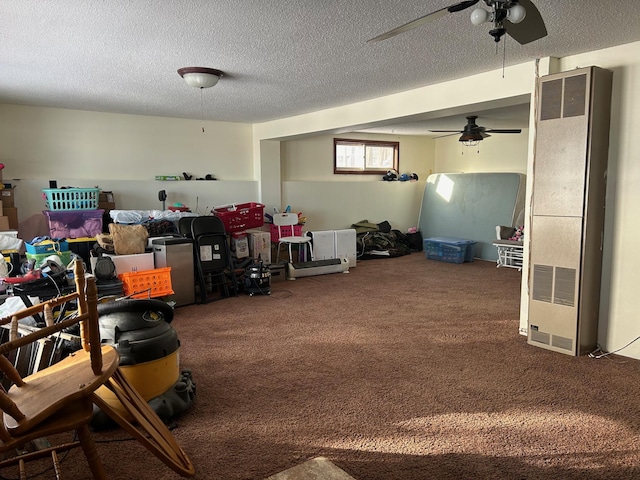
(542, 283)
(574, 101)
(551, 99)
(565, 286)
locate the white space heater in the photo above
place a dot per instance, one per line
(317, 267)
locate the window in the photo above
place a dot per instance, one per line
(365, 156)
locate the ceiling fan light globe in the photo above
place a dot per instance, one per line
(516, 14)
(479, 16)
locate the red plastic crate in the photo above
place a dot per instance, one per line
(241, 216)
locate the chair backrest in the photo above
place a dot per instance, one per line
(212, 252)
(207, 224)
(87, 317)
(286, 220)
(211, 243)
(184, 226)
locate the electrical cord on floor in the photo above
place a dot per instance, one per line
(599, 353)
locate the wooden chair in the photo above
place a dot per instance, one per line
(60, 397)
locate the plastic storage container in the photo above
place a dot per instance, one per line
(75, 224)
(148, 283)
(50, 247)
(241, 216)
(451, 250)
(71, 198)
(39, 258)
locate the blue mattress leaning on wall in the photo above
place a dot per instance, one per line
(470, 205)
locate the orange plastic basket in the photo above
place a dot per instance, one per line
(147, 283)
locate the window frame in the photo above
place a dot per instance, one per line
(365, 171)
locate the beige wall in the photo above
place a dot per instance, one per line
(124, 153)
(336, 201)
(500, 153)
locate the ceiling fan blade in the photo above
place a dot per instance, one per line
(446, 131)
(504, 130)
(425, 19)
(444, 136)
(530, 29)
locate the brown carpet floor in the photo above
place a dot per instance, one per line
(403, 368)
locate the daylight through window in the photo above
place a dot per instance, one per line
(365, 156)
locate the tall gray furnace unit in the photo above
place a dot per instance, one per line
(569, 182)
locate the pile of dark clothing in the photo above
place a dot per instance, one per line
(379, 240)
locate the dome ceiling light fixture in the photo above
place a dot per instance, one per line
(201, 78)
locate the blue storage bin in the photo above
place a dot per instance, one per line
(50, 247)
(451, 250)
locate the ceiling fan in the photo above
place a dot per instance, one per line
(519, 18)
(473, 133)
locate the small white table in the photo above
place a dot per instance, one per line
(509, 253)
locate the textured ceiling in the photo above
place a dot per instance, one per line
(281, 57)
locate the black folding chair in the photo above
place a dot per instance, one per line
(184, 226)
(213, 257)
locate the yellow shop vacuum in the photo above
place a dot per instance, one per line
(141, 332)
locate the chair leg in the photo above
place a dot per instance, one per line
(202, 283)
(235, 282)
(90, 451)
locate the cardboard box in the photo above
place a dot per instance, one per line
(1, 208)
(7, 197)
(138, 262)
(106, 197)
(4, 223)
(240, 244)
(260, 245)
(12, 213)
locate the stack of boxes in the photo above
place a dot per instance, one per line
(9, 225)
(243, 222)
(8, 210)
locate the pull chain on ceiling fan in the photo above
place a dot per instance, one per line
(518, 18)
